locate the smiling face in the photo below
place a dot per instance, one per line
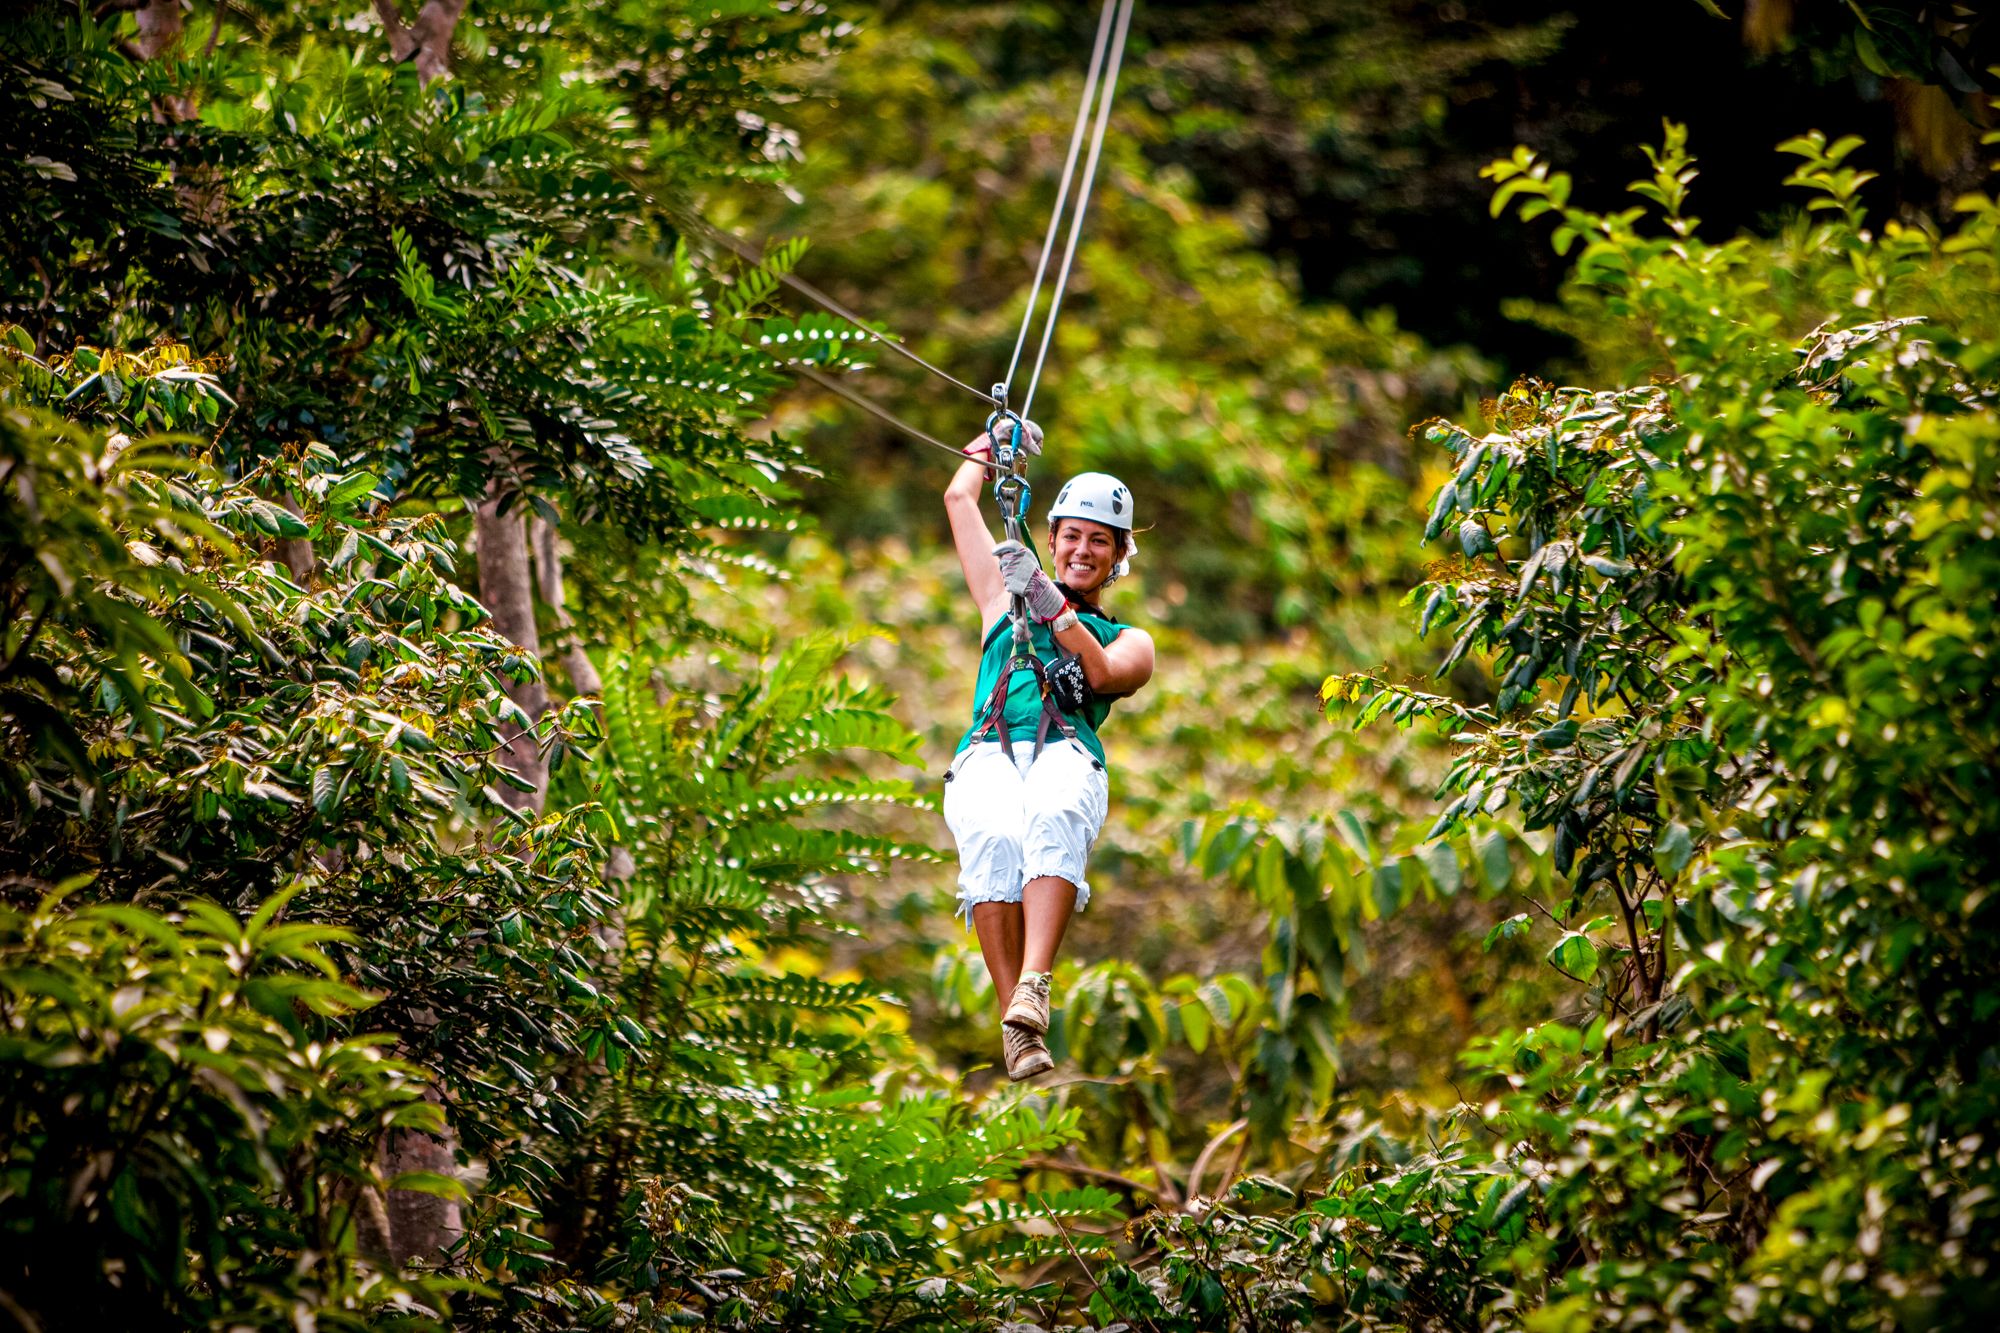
(1084, 552)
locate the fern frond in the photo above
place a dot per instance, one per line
(1089, 1203)
(847, 998)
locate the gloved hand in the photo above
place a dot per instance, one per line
(1025, 578)
(982, 443)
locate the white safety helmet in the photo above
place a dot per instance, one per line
(1100, 498)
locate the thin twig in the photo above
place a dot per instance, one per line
(1094, 1172)
(1068, 1244)
(1200, 1167)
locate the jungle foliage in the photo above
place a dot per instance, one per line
(466, 861)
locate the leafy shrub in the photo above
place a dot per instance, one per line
(183, 1141)
(1740, 627)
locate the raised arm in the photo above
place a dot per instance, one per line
(969, 533)
(974, 541)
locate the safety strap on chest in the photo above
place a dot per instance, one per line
(994, 717)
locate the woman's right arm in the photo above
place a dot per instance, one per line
(974, 541)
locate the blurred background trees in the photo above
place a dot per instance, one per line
(465, 712)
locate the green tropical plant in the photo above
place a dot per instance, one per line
(1739, 632)
(185, 1142)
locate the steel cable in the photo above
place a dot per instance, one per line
(1101, 81)
(1110, 89)
(867, 404)
(1104, 25)
(745, 250)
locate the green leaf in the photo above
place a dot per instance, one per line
(1440, 862)
(1518, 924)
(350, 488)
(1195, 1024)
(1447, 501)
(1575, 954)
(1495, 860)
(432, 1183)
(1609, 568)
(1529, 570)
(1673, 849)
(1437, 601)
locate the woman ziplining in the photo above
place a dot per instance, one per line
(1023, 807)
(1024, 820)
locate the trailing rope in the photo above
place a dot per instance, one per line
(749, 253)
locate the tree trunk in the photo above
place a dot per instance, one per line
(582, 672)
(427, 41)
(506, 587)
(419, 1225)
(296, 552)
(160, 24)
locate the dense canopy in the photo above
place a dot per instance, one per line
(473, 683)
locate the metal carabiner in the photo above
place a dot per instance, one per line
(1005, 453)
(1013, 494)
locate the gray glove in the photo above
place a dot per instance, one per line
(1025, 578)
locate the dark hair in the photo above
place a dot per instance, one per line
(1119, 535)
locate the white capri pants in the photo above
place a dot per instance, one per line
(1020, 820)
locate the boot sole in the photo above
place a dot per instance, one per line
(1032, 1067)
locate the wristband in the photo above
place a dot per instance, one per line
(1065, 620)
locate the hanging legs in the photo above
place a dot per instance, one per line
(1047, 904)
(1024, 936)
(1023, 840)
(1019, 942)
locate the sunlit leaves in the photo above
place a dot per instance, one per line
(1712, 704)
(164, 1073)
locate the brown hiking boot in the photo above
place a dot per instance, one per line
(1030, 1006)
(1026, 1055)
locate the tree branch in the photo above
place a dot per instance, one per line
(401, 45)
(427, 40)
(1096, 1173)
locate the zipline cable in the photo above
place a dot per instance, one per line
(744, 250)
(1104, 24)
(1110, 89)
(866, 404)
(1101, 81)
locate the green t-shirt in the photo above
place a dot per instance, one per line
(1024, 696)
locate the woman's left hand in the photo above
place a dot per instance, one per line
(1024, 578)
